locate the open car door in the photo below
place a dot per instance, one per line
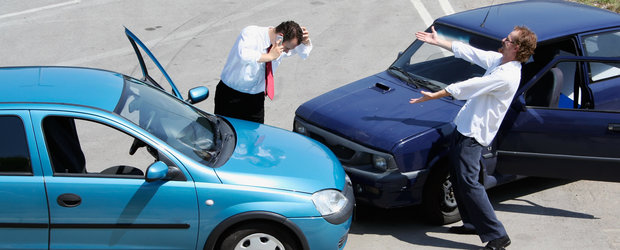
(571, 139)
(152, 71)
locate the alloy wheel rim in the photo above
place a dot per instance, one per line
(448, 194)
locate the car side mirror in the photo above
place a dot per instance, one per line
(400, 53)
(197, 94)
(156, 171)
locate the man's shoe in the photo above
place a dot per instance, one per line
(462, 230)
(498, 244)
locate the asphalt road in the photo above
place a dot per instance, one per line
(352, 39)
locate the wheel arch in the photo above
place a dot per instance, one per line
(255, 216)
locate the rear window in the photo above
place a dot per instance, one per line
(603, 45)
(14, 155)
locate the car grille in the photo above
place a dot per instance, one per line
(342, 152)
(348, 152)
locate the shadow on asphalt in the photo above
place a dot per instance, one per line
(513, 191)
(408, 223)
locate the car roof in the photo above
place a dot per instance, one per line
(62, 85)
(548, 19)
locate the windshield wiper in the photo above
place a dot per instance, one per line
(427, 84)
(410, 80)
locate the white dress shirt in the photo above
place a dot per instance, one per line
(242, 71)
(488, 97)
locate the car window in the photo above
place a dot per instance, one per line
(603, 45)
(148, 69)
(78, 146)
(430, 63)
(556, 88)
(155, 76)
(14, 154)
(173, 121)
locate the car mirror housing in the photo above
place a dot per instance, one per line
(156, 171)
(197, 94)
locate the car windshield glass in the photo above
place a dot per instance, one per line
(434, 67)
(184, 128)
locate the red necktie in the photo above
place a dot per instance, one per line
(269, 90)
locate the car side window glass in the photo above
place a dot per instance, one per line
(14, 154)
(556, 88)
(603, 45)
(78, 146)
(155, 76)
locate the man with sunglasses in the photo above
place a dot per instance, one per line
(488, 99)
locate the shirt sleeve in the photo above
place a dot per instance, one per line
(477, 86)
(482, 58)
(247, 46)
(303, 50)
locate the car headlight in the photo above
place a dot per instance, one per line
(299, 128)
(329, 201)
(380, 162)
(335, 207)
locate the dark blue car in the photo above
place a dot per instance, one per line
(564, 121)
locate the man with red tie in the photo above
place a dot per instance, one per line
(248, 74)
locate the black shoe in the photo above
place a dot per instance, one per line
(498, 244)
(462, 230)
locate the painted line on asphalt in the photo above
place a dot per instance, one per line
(428, 19)
(446, 7)
(424, 14)
(175, 36)
(47, 7)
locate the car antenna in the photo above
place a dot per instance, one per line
(487, 15)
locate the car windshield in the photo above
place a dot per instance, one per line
(181, 126)
(435, 68)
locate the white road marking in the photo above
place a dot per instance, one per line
(446, 7)
(428, 19)
(47, 7)
(424, 14)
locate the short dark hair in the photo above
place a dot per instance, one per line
(290, 30)
(527, 43)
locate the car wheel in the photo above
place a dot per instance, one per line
(439, 203)
(258, 236)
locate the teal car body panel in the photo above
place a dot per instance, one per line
(251, 172)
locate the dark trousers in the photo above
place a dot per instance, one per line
(473, 203)
(235, 104)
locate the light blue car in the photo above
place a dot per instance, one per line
(92, 159)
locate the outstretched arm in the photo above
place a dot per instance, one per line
(426, 96)
(433, 38)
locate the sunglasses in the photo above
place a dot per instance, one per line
(507, 39)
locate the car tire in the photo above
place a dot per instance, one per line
(258, 236)
(439, 203)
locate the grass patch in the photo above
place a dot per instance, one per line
(612, 5)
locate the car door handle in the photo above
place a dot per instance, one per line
(69, 200)
(613, 127)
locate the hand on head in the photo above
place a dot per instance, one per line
(306, 36)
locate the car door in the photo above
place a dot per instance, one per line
(152, 71)
(570, 128)
(99, 198)
(24, 221)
